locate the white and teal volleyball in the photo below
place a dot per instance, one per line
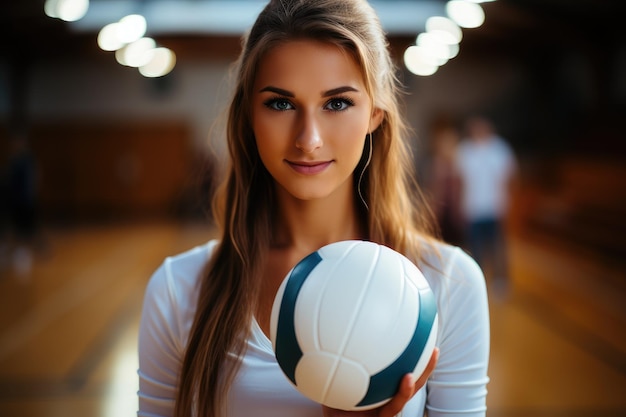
(349, 321)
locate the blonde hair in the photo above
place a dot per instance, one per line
(392, 213)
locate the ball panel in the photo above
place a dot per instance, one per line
(287, 350)
(387, 318)
(349, 384)
(346, 291)
(338, 250)
(384, 384)
(331, 380)
(428, 349)
(276, 310)
(313, 300)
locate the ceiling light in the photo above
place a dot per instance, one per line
(465, 13)
(445, 29)
(108, 39)
(433, 46)
(50, 8)
(419, 62)
(136, 53)
(68, 10)
(162, 61)
(72, 10)
(131, 28)
(120, 56)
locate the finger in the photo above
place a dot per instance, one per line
(430, 367)
(404, 394)
(408, 387)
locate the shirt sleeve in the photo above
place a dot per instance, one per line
(160, 353)
(457, 386)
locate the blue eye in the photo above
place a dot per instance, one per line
(278, 104)
(339, 104)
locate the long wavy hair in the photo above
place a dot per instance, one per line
(391, 213)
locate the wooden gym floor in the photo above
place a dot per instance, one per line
(68, 327)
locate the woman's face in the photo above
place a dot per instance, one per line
(310, 116)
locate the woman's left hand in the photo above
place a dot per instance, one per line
(408, 387)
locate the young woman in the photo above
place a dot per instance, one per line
(317, 155)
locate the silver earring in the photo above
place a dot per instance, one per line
(367, 162)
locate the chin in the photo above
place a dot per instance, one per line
(315, 190)
(305, 193)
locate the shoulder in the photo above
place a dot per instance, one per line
(180, 274)
(456, 280)
(171, 294)
(443, 262)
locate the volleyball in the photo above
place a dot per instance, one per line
(349, 321)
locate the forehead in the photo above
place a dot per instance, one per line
(308, 64)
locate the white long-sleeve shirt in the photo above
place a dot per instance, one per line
(457, 387)
(486, 169)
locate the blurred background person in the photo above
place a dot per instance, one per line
(443, 183)
(21, 201)
(487, 165)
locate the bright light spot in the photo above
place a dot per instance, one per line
(435, 47)
(125, 37)
(131, 28)
(454, 50)
(50, 8)
(162, 61)
(72, 10)
(419, 53)
(107, 38)
(120, 56)
(466, 14)
(137, 53)
(446, 29)
(419, 62)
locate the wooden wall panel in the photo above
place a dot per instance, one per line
(111, 169)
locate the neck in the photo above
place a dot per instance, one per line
(309, 225)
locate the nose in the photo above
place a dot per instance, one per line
(309, 136)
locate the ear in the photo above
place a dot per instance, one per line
(376, 119)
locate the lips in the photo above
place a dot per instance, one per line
(309, 168)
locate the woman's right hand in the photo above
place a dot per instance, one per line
(408, 387)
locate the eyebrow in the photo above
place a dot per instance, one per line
(331, 92)
(339, 90)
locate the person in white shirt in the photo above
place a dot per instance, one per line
(487, 168)
(318, 154)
